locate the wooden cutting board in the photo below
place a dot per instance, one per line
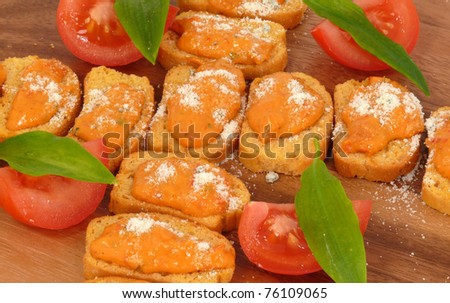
(406, 241)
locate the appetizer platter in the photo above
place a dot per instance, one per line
(405, 240)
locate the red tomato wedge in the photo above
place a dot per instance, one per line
(50, 202)
(173, 11)
(271, 238)
(397, 19)
(92, 32)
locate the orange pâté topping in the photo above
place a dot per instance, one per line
(109, 110)
(198, 190)
(243, 41)
(378, 113)
(149, 246)
(45, 88)
(281, 105)
(439, 140)
(204, 107)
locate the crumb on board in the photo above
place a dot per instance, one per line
(272, 177)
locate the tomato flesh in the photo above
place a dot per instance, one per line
(101, 26)
(271, 238)
(396, 19)
(92, 32)
(50, 202)
(173, 11)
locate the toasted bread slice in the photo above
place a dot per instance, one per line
(230, 189)
(435, 187)
(290, 154)
(118, 108)
(398, 158)
(289, 13)
(162, 140)
(37, 94)
(130, 250)
(261, 63)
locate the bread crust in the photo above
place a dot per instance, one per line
(161, 140)
(122, 201)
(95, 268)
(291, 156)
(170, 55)
(60, 123)
(435, 187)
(398, 158)
(289, 14)
(100, 78)
(114, 279)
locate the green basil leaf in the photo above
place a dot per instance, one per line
(330, 225)
(144, 22)
(352, 19)
(40, 153)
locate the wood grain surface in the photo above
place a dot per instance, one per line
(406, 241)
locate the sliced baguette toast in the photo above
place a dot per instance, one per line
(435, 187)
(398, 158)
(162, 140)
(288, 155)
(27, 78)
(289, 13)
(131, 105)
(233, 192)
(171, 55)
(137, 225)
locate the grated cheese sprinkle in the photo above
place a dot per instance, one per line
(432, 124)
(143, 224)
(208, 175)
(387, 98)
(165, 171)
(298, 94)
(189, 97)
(264, 87)
(38, 83)
(246, 27)
(203, 246)
(64, 101)
(219, 115)
(260, 8)
(188, 91)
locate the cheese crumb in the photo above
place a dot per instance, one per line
(272, 177)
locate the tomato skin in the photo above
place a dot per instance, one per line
(396, 19)
(270, 237)
(50, 202)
